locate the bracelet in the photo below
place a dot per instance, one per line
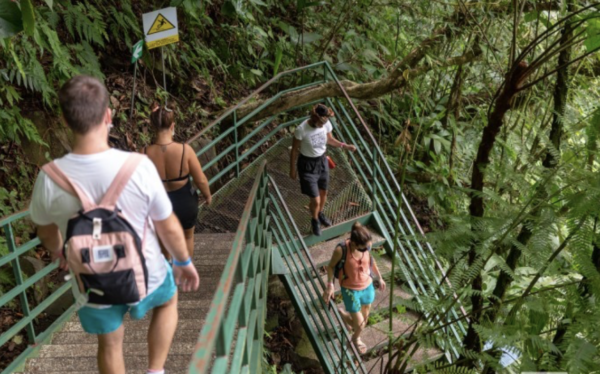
(330, 284)
(182, 263)
(343, 145)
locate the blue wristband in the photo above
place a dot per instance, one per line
(182, 263)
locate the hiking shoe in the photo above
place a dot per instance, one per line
(316, 227)
(324, 220)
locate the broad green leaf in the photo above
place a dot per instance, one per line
(28, 17)
(10, 19)
(256, 72)
(309, 37)
(278, 56)
(592, 43)
(49, 3)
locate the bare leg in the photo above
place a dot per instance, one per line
(347, 318)
(161, 332)
(323, 199)
(189, 241)
(110, 352)
(358, 324)
(364, 310)
(314, 207)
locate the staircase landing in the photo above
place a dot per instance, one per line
(346, 197)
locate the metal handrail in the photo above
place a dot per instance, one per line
(213, 325)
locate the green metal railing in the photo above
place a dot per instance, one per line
(323, 323)
(424, 274)
(234, 328)
(22, 286)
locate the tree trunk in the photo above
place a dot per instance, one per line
(476, 208)
(561, 92)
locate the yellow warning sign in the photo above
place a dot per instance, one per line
(160, 24)
(160, 27)
(162, 42)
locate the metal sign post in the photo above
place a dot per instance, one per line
(160, 29)
(137, 51)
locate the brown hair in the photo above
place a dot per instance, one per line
(360, 235)
(319, 113)
(161, 117)
(83, 100)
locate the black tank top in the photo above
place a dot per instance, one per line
(180, 178)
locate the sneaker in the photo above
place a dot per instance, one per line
(316, 227)
(324, 220)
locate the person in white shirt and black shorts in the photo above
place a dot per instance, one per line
(310, 140)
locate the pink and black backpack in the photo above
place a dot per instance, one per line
(101, 247)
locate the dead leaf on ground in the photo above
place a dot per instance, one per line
(115, 102)
(120, 82)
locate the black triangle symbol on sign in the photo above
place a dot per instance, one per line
(160, 24)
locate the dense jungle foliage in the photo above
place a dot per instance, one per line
(487, 111)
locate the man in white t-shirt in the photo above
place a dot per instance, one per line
(92, 166)
(310, 140)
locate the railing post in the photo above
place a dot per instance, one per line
(237, 150)
(374, 174)
(10, 242)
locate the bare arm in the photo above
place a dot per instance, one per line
(52, 240)
(337, 144)
(382, 284)
(335, 258)
(171, 234)
(198, 175)
(294, 157)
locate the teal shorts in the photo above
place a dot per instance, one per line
(353, 299)
(107, 320)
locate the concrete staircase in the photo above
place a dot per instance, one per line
(73, 351)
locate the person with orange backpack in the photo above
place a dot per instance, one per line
(353, 264)
(100, 211)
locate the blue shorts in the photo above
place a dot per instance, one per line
(353, 299)
(107, 320)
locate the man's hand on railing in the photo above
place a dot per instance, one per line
(350, 147)
(58, 255)
(186, 277)
(328, 293)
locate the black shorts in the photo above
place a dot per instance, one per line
(185, 204)
(314, 174)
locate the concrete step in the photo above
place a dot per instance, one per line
(90, 350)
(88, 364)
(376, 336)
(421, 356)
(132, 325)
(132, 336)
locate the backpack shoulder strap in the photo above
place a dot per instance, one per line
(57, 176)
(118, 184)
(341, 265)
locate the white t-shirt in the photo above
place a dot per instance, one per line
(143, 197)
(313, 140)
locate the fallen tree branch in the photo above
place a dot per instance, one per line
(362, 91)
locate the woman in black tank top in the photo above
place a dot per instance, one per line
(176, 163)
